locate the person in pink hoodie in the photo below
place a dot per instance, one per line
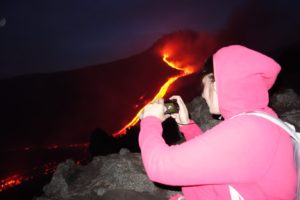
(243, 157)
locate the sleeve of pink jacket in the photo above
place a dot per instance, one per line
(208, 158)
(190, 131)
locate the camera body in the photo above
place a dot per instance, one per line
(171, 106)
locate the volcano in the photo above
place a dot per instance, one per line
(65, 107)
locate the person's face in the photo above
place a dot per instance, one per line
(210, 94)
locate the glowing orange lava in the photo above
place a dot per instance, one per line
(161, 93)
(46, 169)
(10, 182)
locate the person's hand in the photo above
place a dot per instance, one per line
(155, 109)
(182, 117)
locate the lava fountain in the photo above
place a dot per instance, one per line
(184, 71)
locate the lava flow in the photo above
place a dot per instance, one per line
(37, 171)
(163, 90)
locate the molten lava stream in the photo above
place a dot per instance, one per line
(161, 93)
(10, 182)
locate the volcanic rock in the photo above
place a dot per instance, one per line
(116, 174)
(286, 103)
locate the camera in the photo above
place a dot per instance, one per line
(171, 106)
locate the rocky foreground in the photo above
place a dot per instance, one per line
(122, 176)
(103, 176)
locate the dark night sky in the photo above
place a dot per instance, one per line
(46, 36)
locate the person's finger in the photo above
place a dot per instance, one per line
(155, 101)
(167, 115)
(175, 116)
(178, 98)
(160, 101)
(165, 109)
(175, 97)
(141, 116)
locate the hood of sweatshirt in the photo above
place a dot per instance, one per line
(243, 77)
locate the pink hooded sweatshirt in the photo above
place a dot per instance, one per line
(248, 153)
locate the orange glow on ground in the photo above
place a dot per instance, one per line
(46, 169)
(17, 179)
(161, 93)
(10, 182)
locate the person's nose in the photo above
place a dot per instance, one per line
(203, 95)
